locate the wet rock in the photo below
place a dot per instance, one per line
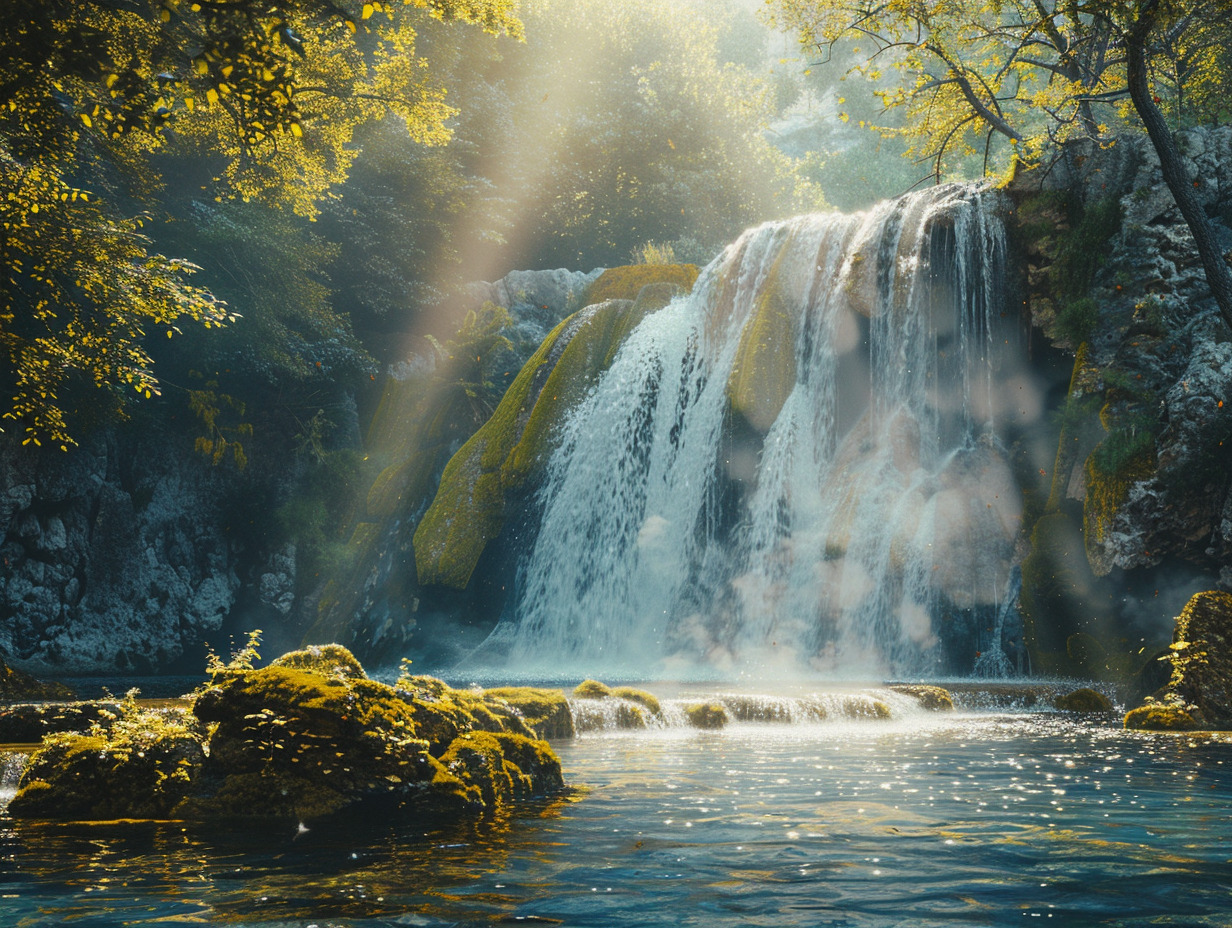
(546, 712)
(932, 698)
(29, 722)
(1160, 718)
(1084, 700)
(16, 686)
(1202, 657)
(706, 715)
(142, 766)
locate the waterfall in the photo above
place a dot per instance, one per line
(801, 465)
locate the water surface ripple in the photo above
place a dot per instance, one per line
(970, 819)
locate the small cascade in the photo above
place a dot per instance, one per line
(12, 765)
(799, 467)
(614, 714)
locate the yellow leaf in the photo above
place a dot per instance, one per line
(367, 11)
(211, 96)
(86, 120)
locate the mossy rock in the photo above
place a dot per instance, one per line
(294, 743)
(27, 723)
(626, 283)
(442, 713)
(1056, 584)
(509, 450)
(706, 715)
(592, 689)
(1202, 656)
(1085, 700)
(546, 712)
(503, 767)
(144, 769)
(16, 686)
(932, 698)
(641, 697)
(764, 372)
(329, 660)
(1107, 491)
(1160, 718)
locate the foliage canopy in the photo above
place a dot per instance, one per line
(268, 92)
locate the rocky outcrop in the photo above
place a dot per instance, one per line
(1157, 362)
(1144, 452)
(116, 556)
(304, 739)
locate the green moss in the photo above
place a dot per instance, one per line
(306, 737)
(328, 660)
(764, 372)
(641, 697)
(468, 510)
(706, 715)
(142, 766)
(1076, 320)
(1201, 657)
(592, 689)
(545, 711)
(1160, 718)
(625, 283)
(1119, 462)
(932, 698)
(1085, 700)
(1082, 251)
(442, 713)
(503, 767)
(29, 722)
(16, 686)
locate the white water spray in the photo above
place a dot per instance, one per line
(838, 527)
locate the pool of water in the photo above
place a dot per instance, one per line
(958, 819)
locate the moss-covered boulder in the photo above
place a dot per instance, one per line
(442, 713)
(16, 686)
(28, 723)
(706, 715)
(468, 510)
(143, 766)
(307, 737)
(932, 698)
(1202, 657)
(501, 767)
(1084, 700)
(648, 701)
(592, 689)
(764, 372)
(295, 743)
(328, 660)
(545, 712)
(628, 282)
(1160, 717)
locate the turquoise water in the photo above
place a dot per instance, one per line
(970, 819)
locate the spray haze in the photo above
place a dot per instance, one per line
(799, 467)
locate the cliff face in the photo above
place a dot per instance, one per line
(1144, 456)
(116, 558)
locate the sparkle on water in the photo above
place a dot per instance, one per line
(936, 819)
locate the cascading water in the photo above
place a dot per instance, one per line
(799, 463)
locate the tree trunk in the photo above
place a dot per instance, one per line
(1218, 275)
